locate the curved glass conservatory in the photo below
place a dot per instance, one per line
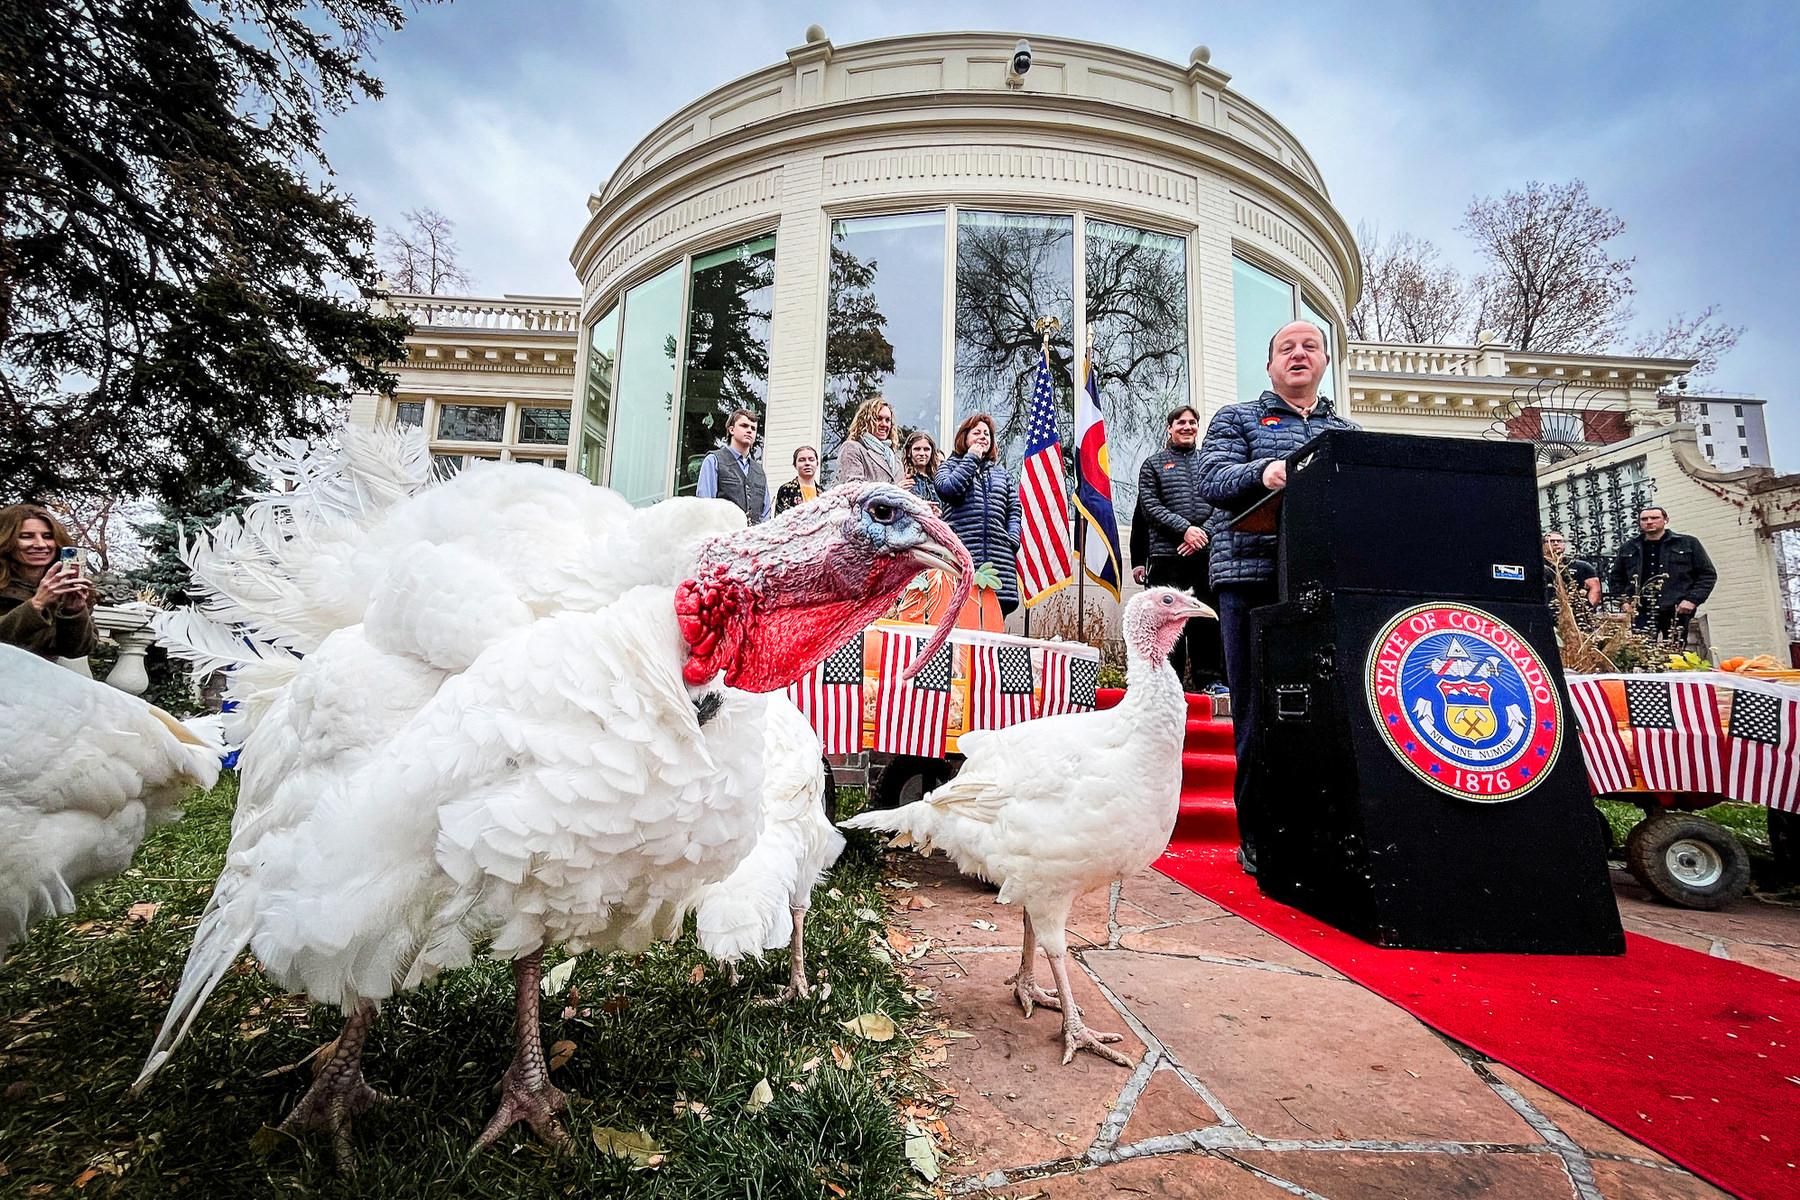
(893, 218)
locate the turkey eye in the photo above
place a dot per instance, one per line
(882, 511)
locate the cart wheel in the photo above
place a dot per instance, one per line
(1784, 839)
(906, 778)
(830, 797)
(1688, 860)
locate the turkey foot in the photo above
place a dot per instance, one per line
(1025, 987)
(338, 1091)
(797, 988)
(1076, 1035)
(1029, 993)
(525, 1090)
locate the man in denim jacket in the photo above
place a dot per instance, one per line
(1241, 460)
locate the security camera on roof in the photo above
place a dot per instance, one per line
(1021, 63)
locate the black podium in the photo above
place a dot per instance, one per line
(1419, 776)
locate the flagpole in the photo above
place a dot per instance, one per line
(1080, 528)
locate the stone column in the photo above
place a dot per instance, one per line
(128, 673)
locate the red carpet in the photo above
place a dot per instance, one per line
(1696, 1057)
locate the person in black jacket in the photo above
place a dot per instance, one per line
(1668, 572)
(1242, 459)
(1176, 516)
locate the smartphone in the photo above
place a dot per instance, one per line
(70, 556)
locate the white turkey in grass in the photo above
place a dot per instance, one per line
(85, 771)
(1055, 808)
(540, 733)
(762, 905)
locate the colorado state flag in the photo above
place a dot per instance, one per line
(1100, 555)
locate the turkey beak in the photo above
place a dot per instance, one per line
(933, 556)
(1197, 609)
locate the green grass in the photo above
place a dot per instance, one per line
(81, 999)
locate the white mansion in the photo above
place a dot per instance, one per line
(895, 216)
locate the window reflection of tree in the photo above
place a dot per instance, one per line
(1137, 326)
(858, 355)
(1009, 273)
(727, 352)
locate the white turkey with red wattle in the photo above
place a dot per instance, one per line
(1055, 808)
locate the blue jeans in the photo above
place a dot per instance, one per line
(1235, 602)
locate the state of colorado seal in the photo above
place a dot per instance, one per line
(1465, 702)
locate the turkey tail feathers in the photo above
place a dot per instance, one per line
(225, 930)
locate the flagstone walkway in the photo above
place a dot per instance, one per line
(1260, 1072)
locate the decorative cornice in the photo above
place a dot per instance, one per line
(764, 187)
(1253, 216)
(1022, 163)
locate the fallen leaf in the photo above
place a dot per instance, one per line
(86, 1177)
(867, 914)
(692, 1108)
(615, 1006)
(835, 1189)
(560, 1054)
(920, 1153)
(810, 1065)
(835, 894)
(872, 1027)
(840, 1056)
(142, 912)
(760, 1096)
(985, 926)
(265, 1141)
(639, 1147)
(899, 942)
(557, 977)
(902, 883)
(252, 1034)
(698, 973)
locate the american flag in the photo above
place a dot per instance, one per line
(1764, 733)
(1046, 562)
(832, 698)
(999, 686)
(910, 716)
(1608, 767)
(1680, 747)
(1069, 683)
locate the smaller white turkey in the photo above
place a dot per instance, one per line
(1055, 808)
(762, 905)
(85, 771)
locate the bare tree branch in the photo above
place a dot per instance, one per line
(1408, 295)
(422, 259)
(1703, 337)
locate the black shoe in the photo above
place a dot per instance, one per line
(1246, 857)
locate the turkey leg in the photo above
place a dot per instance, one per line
(525, 1090)
(1077, 1036)
(796, 988)
(338, 1091)
(1025, 988)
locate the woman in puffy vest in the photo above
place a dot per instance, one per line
(981, 502)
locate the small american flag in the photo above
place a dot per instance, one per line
(910, 716)
(1069, 683)
(1680, 747)
(1764, 765)
(1046, 562)
(999, 686)
(1608, 767)
(832, 698)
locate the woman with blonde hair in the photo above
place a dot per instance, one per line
(870, 449)
(46, 606)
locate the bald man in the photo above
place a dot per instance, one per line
(1243, 458)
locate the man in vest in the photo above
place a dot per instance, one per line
(729, 473)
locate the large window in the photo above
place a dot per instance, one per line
(1263, 304)
(471, 422)
(727, 348)
(884, 326)
(646, 388)
(596, 410)
(1012, 269)
(1137, 315)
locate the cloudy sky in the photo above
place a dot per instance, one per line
(504, 116)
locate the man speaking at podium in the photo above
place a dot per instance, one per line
(1241, 461)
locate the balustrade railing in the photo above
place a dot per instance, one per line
(467, 312)
(1416, 360)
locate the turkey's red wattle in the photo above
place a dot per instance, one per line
(712, 614)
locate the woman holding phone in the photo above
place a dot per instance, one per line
(46, 606)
